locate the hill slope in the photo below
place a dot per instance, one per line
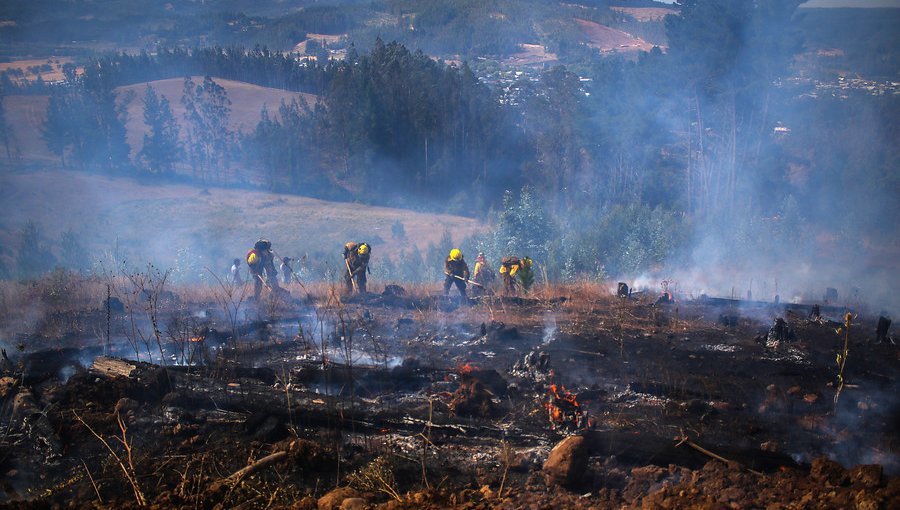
(26, 114)
(154, 221)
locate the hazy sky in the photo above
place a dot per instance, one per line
(838, 3)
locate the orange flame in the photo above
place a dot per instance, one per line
(468, 368)
(563, 407)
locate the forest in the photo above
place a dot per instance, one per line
(629, 161)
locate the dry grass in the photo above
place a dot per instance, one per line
(152, 222)
(53, 75)
(26, 114)
(646, 13)
(608, 39)
(247, 102)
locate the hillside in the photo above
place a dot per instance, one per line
(26, 113)
(609, 40)
(153, 221)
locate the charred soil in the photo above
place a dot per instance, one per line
(567, 401)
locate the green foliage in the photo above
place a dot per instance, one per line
(410, 266)
(524, 227)
(526, 275)
(84, 120)
(398, 231)
(207, 108)
(161, 149)
(72, 253)
(6, 136)
(33, 255)
(435, 256)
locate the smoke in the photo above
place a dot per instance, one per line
(549, 328)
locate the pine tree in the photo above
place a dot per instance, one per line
(209, 140)
(33, 257)
(6, 136)
(161, 145)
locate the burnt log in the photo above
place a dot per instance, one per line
(881, 331)
(113, 367)
(644, 449)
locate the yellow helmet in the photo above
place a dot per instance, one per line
(455, 254)
(363, 249)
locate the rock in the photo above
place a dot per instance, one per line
(334, 499)
(825, 469)
(354, 504)
(126, 404)
(306, 503)
(567, 462)
(769, 446)
(867, 475)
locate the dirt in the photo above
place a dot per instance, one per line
(450, 405)
(611, 40)
(643, 14)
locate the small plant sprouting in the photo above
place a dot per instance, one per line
(842, 355)
(377, 476)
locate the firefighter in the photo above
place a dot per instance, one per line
(356, 259)
(509, 266)
(287, 272)
(484, 275)
(457, 272)
(236, 278)
(261, 260)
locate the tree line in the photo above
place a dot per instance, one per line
(635, 153)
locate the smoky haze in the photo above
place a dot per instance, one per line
(732, 160)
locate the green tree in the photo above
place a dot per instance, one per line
(207, 109)
(525, 228)
(6, 136)
(85, 123)
(162, 148)
(33, 256)
(727, 55)
(72, 253)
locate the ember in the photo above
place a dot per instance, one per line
(564, 410)
(468, 368)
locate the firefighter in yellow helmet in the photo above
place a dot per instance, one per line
(509, 266)
(356, 261)
(484, 276)
(261, 260)
(457, 272)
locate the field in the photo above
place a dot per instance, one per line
(31, 68)
(645, 13)
(608, 39)
(26, 113)
(566, 398)
(149, 221)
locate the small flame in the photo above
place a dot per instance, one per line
(564, 410)
(468, 368)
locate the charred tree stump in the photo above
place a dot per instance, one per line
(881, 331)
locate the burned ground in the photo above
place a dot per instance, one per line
(442, 405)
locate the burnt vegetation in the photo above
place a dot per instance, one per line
(752, 151)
